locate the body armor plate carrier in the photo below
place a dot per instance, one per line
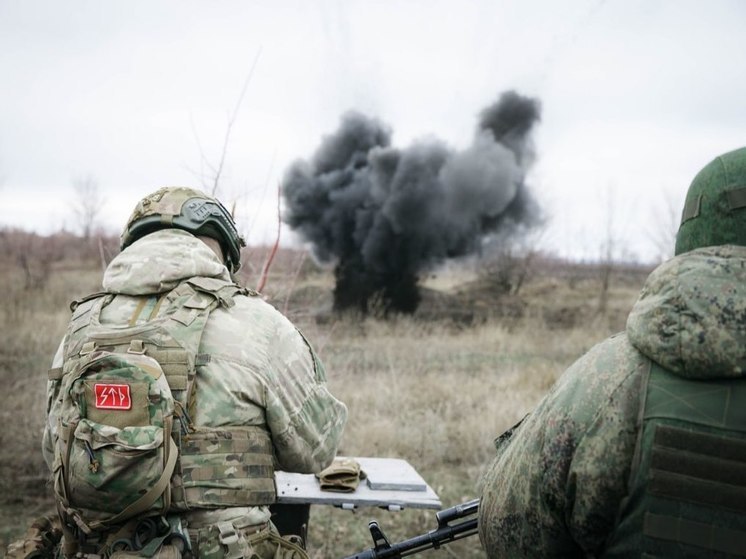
(687, 494)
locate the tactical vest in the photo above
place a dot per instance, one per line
(126, 446)
(687, 495)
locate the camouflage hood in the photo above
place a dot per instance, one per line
(691, 314)
(159, 262)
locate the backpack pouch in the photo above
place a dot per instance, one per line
(118, 415)
(109, 467)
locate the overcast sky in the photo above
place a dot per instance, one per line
(636, 95)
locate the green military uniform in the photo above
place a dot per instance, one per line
(255, 399)
(639, 450)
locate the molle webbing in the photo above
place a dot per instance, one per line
(226, 467)
(697, 534)
(690, 487)
(699, 468)
(175, 365)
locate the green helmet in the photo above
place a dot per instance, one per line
(190, 210)
(715, 208)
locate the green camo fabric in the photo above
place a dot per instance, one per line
(257, 374)
(555, 486)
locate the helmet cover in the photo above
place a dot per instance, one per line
(188, 209)
(715, 208)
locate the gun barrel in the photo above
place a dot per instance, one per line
(458, 511)
(433, 539)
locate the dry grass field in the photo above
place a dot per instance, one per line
(435, 388)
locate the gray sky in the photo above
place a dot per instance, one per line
(637, 95)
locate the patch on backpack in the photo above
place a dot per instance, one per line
(112, 396)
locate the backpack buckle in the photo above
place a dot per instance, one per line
(137, 347)
(229, 538)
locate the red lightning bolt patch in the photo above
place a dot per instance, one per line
(112, 396)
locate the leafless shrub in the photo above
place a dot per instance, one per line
(507, 269)
(665, 225)
(88, 204)
(507, 264)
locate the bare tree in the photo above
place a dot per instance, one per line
(273, 250)
(608, 250)
(217, 169)
(665, 224)
(87, 205)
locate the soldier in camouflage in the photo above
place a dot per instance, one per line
(247, 396)
(639, 450)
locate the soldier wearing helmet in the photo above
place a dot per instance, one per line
(639, 450)
(175, 395)
(189, 210)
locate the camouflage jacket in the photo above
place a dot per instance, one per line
(555, 487)
(261, 371)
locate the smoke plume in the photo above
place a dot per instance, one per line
(385, 215)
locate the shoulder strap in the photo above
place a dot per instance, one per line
(188, 310)
(222, 290)
(74, 304)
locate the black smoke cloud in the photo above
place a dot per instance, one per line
(385, 215)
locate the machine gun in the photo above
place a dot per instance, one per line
(446, 532)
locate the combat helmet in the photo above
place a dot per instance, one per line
(190, 210)
(715, 208)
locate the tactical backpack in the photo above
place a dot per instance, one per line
(125, 445)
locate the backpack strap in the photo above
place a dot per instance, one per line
(202, 296)
(223, 291)
(75, 304)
